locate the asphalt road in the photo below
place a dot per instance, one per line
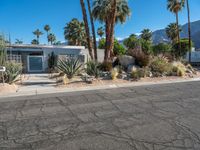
(158, 117)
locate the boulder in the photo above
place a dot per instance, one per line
(126, 60)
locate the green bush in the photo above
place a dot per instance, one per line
(184, 48)
(13, 70)
(92, 69)
(162, 48)
(70, 67)
(106, 66)
(160, 66)
(146, 46)
(118, 49)
(140, 73)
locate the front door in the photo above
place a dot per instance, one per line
(35, 64)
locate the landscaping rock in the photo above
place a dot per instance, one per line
(126, 60)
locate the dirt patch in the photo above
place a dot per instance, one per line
(7, 88)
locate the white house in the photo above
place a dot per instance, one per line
(35, 57)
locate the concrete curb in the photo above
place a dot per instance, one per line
(37, 92)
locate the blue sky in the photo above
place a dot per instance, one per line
(21, 17)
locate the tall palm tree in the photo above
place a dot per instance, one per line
(146, 34)
(100, 32)
(74, 32)
(34, 42)
(110, 12)
(93, 31)
(189, 30)
(37, 33)
(175, 6)
(18, 41)
(47, 28)
(87, 28)
(171, 31)
(51, 38)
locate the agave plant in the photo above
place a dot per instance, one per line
(70, 67)
(13, 70)
(92, 69)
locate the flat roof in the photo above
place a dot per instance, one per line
(45, 46)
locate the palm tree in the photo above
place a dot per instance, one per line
(100, 32)
(171, 31)
(34, 42)
(37, 33)
(18, 41)
(87, 28)
(175, 6)
(93, 31)
(47, 28)
(74, 32)
(146, 34)
(51, 38)
(189, 30)
(110, 12)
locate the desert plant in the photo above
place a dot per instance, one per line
(140, 73)
(70, 67)
(106, 66)
(13, 70)
(51, 61)
(179, 69)
(160, 66)
(114, 73)
(3, 52)
(92, 69)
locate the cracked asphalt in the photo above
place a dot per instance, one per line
(157, 117)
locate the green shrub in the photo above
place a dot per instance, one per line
(162, 48)
(106, 66)
(118, 49)
(160, 66)
(70, 67)
(13, 70)
(184, 48)
(140, 73)
(92, 69)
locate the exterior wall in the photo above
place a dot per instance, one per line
(195, 56)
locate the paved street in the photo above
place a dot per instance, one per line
(158, 117)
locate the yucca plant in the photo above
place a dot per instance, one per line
(70, 67)
(92, 69)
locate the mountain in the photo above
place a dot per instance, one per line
(160, 35)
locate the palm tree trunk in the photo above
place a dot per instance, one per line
(113, 17)
(47, 37)
(93, 32)
(189, 31)
(38, 40)
(106, 53)
(177, 24)
(86, 28)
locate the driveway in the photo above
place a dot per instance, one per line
(158, 117)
